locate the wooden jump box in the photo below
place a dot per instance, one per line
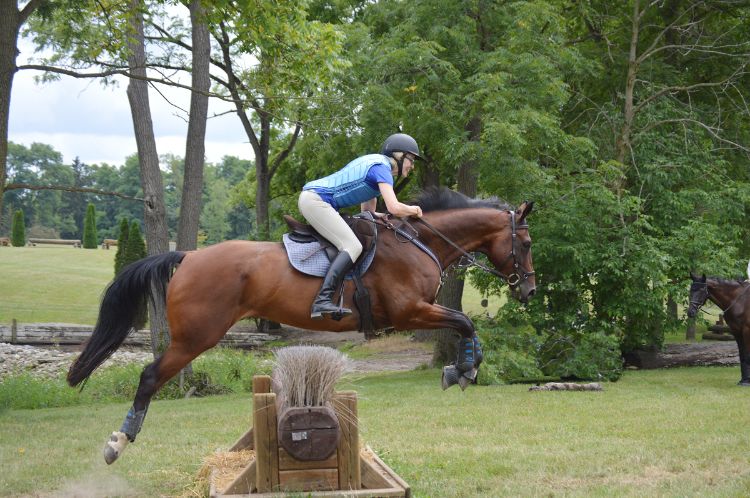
(273, 472)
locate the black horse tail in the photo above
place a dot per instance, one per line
(122, 305)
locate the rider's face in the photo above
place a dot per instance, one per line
(408, 165)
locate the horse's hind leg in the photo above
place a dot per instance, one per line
(152, 378)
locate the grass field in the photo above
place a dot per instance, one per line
(671, 433)
(53, 283)
(64, 284)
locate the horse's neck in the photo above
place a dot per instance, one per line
(723, 294)
(466, 228)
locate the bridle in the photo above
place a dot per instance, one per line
(707, 292)
(519, 274)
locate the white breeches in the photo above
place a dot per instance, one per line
(328, 222)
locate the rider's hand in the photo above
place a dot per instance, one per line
(417, 211)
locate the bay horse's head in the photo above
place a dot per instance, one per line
(501, 233)
(510, 253)
(698, 294)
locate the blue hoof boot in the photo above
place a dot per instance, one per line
(450, 377)
(465, 360)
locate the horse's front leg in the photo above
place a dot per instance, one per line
(742, 344)
(464, 370)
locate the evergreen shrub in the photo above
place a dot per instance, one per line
(18, 230)
(89, 228)
(122, 244)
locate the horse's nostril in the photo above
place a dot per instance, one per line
(532, 292)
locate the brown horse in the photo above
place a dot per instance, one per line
(213, 288)
(733, 298)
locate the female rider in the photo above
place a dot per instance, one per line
(359, 182)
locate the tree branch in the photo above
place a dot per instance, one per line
(284, 153)
(86, 190)
(28, 9)
(709, 129)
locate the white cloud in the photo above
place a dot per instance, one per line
(80, 118)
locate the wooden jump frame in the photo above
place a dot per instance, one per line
(349, 471)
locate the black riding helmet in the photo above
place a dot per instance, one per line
(400, 142)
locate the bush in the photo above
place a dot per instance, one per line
(582, 355)
(218, 371)
(89, 228)
(510, 352)
(136, 247)
(122, 243)
(18, 230)
(42, 232)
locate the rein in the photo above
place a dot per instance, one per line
(513, 279)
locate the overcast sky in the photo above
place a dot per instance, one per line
(80, 118)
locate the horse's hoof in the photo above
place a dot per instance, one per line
(467, 378)
(450, 377)
(744, 383)
(115, 446)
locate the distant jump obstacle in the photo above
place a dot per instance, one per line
(65, 242)
(314, 450)
(107, 243)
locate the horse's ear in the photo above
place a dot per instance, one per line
(525, 209)
(693, 277)
(703, 278)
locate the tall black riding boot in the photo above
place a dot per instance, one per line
(323, 303)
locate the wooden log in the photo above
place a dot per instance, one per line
(67, 242)
(309, 433)
(266, 442)
(5, 241)
(107, 243)
(345, 404)
(288, 462)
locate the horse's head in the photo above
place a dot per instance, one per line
(510, 253)
(698, 294)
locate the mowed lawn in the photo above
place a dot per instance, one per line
(672, 433)
(53, 283)
(63, 284)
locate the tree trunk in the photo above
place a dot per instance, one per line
(10, 23)
(195, 148)
(154, 211)
(453, 288)
(623, 140)
(671, 308)
(446, 340)
(263, 179)
(690, 331)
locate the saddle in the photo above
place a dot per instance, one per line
(361, 224)
(364, 228)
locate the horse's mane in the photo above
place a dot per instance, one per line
(441, 198)
(726, 281)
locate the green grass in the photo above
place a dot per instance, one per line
(676, 432)
(53, 283)
(64, 284)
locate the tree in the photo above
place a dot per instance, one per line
(18, 231)
(89, 228)
(135, 248)
(122, 244)
(11, 19)
(192, 188)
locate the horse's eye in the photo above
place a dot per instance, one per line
(527, 244)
